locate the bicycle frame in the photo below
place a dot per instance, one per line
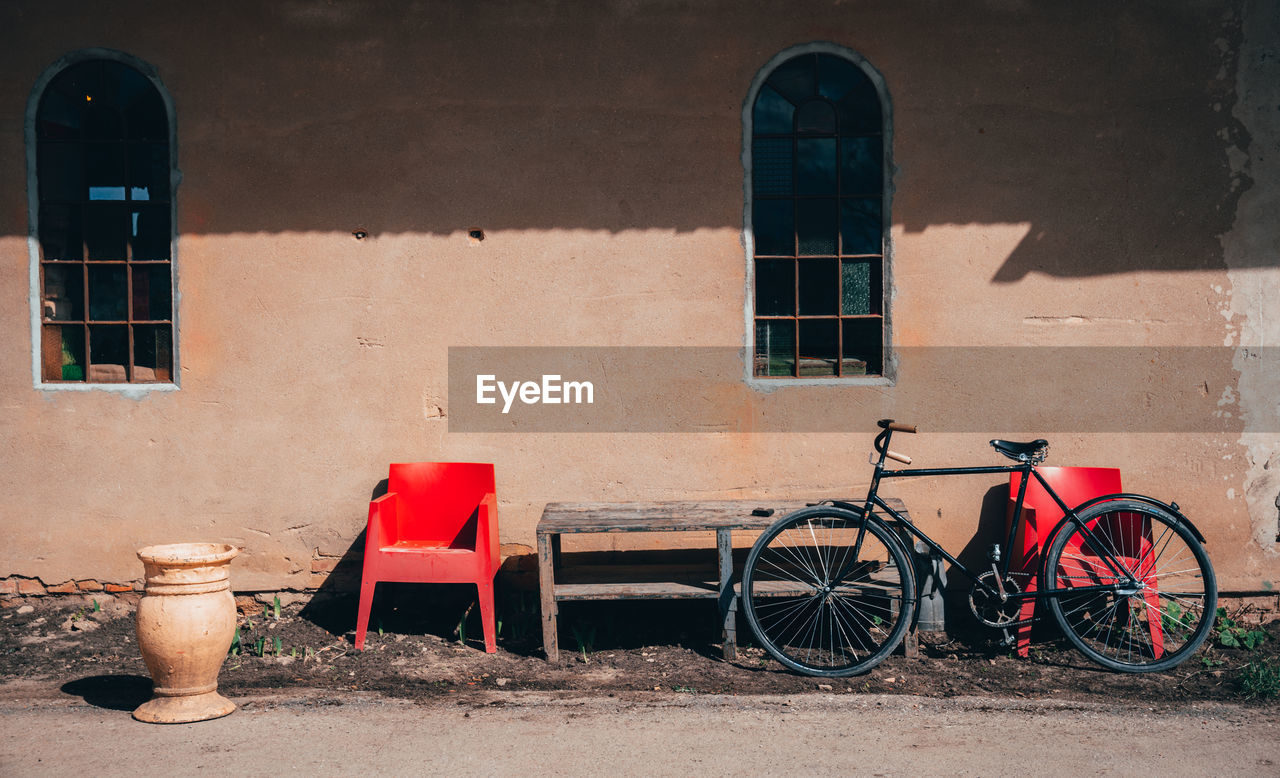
(1027, 469)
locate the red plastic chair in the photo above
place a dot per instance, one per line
(1041, 514)
(437, 523)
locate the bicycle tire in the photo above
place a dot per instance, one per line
(815, 608)
(1154, 628)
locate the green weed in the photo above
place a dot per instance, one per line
(1232, 634)
(1174, 621)
(1260, 679)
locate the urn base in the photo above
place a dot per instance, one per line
(184, 710)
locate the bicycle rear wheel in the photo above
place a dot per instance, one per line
(1152, 626)
(818, 607)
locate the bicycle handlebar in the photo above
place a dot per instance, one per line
(882, 440)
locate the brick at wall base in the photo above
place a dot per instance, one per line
(30, 586)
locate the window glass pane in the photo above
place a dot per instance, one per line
(775, 348)
(108, 353)
(102, 121)
(836, 76)
(816, 116)
(149, 232)
(151, 292)
(775, 287)
(795, 79)
(819, 285)
(859, 287)
(152, 353)
(104, 169)
(60, 235)
(149, 172)
(61, 170)
(62, 352)
(107, 292)
(143, 107)
(60, 116)
(771, 113)
(773, 227)
(816, 174)
(861, 165)
(816, 226)
(106, 231)
(860, 110)
(862, 347)
(63, 297)
(819, 347)
(860, 226)
(771, 166)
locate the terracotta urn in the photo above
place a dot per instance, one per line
(186, 621)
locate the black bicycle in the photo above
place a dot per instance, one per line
(830, 590)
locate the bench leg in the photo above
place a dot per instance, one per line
(547, 594)
(728, 602)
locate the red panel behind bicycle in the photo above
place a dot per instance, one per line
(1041, 514)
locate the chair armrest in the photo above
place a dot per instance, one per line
(487, 528)
(382, 529)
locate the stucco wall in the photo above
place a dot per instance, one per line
(1068, 174)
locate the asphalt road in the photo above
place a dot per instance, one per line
(528, 734)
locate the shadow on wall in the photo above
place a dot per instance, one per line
(1105, 127)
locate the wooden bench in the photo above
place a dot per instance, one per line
(606, 583)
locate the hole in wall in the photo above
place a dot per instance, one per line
(359, 234)
(475, 235)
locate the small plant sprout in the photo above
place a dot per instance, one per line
(235, 644)
(275, 607)
(586, 640)
(96, 607)
(279, 645)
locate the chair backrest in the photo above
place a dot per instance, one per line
(1073, 484)
(439, 500)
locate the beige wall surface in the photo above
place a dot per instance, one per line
(1067, 174)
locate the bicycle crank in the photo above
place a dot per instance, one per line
(988, 608)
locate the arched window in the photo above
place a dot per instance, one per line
(103, 214)
(817, 216)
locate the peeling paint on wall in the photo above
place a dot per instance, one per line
(1252, 253)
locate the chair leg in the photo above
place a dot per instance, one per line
(485, 589)
(362, 615)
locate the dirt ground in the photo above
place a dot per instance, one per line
(85, 646)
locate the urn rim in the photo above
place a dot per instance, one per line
(188, 554)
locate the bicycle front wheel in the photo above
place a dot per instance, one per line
(817, 606)
(1154, 621)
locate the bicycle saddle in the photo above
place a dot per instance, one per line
(1035, 451)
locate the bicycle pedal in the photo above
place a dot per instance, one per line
(1009, 640)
